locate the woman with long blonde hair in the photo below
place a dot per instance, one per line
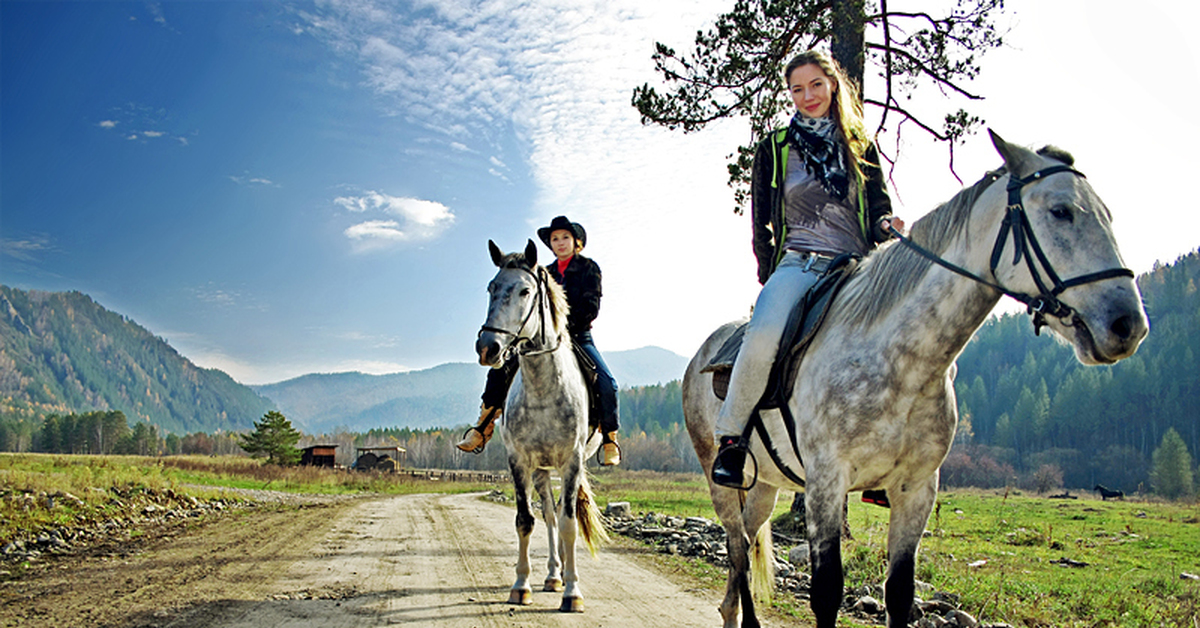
(817, 191)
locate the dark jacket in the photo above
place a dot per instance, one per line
(767, 200)
(581, 282)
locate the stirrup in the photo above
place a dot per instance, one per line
(734, 447)
(479, 449)
(600, 453)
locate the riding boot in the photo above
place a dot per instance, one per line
(475, 438)
(612, 451)
(728, 466)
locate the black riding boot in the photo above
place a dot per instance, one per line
(730, 461)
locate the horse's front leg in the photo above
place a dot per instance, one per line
(826, 497)
(572, 601)
(554, 582)
(910, 508)
(521, 592)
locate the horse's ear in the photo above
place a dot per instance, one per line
(531, 254)
(1018, 160)
(497, 256)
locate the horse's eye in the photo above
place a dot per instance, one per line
(524, 292)
(1062, 212)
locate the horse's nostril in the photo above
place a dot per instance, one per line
(1122, 327)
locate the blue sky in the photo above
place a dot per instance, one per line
(285, 188)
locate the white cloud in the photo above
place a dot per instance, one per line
(247, 180)
(419, 220)
(107, 124)
(153, 133)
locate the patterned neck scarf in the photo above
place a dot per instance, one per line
(817, 141)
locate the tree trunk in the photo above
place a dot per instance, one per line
(848, 46)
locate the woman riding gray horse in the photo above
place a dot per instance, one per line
(816, 192)
(580, 278)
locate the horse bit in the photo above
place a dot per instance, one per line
(1016, 221)
(537, 306)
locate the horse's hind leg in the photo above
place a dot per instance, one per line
(521, 592)
(572, 601)
(910, 508)
(760, 556)
(554, 582)
(728, 504)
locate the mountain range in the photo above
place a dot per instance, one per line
(442, 396)
(61, 352)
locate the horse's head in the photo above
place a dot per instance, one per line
(525, 306)
(1066, 256)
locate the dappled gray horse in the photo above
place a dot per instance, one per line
(545, 424)
(873, 401)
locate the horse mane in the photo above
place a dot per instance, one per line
(890, 273)
(559, 308)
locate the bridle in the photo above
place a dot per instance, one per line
(1016, 222)
(521, 344)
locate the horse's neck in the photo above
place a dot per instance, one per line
(938, 316)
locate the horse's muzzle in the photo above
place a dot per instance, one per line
(488, 349)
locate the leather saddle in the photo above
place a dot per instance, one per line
(803, 323)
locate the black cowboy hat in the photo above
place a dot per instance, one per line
(561, 222)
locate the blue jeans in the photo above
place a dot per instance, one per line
(748, 381)
(495, 391)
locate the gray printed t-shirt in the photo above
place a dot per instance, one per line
(816, 221)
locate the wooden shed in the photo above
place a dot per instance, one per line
(319, 455)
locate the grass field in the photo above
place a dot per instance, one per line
(1002, 552)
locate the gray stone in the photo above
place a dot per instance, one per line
(961, 619)
(799, 556)
(618, 509)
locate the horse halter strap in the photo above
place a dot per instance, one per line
(538, 302)
(1025, 244)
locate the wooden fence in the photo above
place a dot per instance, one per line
(456, 475)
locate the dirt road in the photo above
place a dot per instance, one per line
(444, 561)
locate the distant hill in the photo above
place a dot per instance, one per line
(61, 352)
(442, 396)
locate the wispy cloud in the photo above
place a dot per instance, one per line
(26, 249)
(251, 181)
(225, 297)
(413, 219)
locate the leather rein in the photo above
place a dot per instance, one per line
(1016, 222)
(520, 344)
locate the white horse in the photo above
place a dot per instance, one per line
(545, 423)
(873, 401)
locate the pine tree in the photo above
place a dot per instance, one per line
(273, 437)
(1172, 474)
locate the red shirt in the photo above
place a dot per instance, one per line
(563, 263)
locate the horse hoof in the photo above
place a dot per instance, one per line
(571, 605)
(553, 584)
(520, 597)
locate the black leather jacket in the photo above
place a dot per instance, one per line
(767, 202)
(581, 282)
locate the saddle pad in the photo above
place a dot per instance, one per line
(803, 322)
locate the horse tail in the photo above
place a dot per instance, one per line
(762, 563)
(591, 527)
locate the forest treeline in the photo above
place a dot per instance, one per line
(1030, 414)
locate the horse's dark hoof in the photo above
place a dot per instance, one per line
(521, 597)
(571, 605)
(553, 584)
